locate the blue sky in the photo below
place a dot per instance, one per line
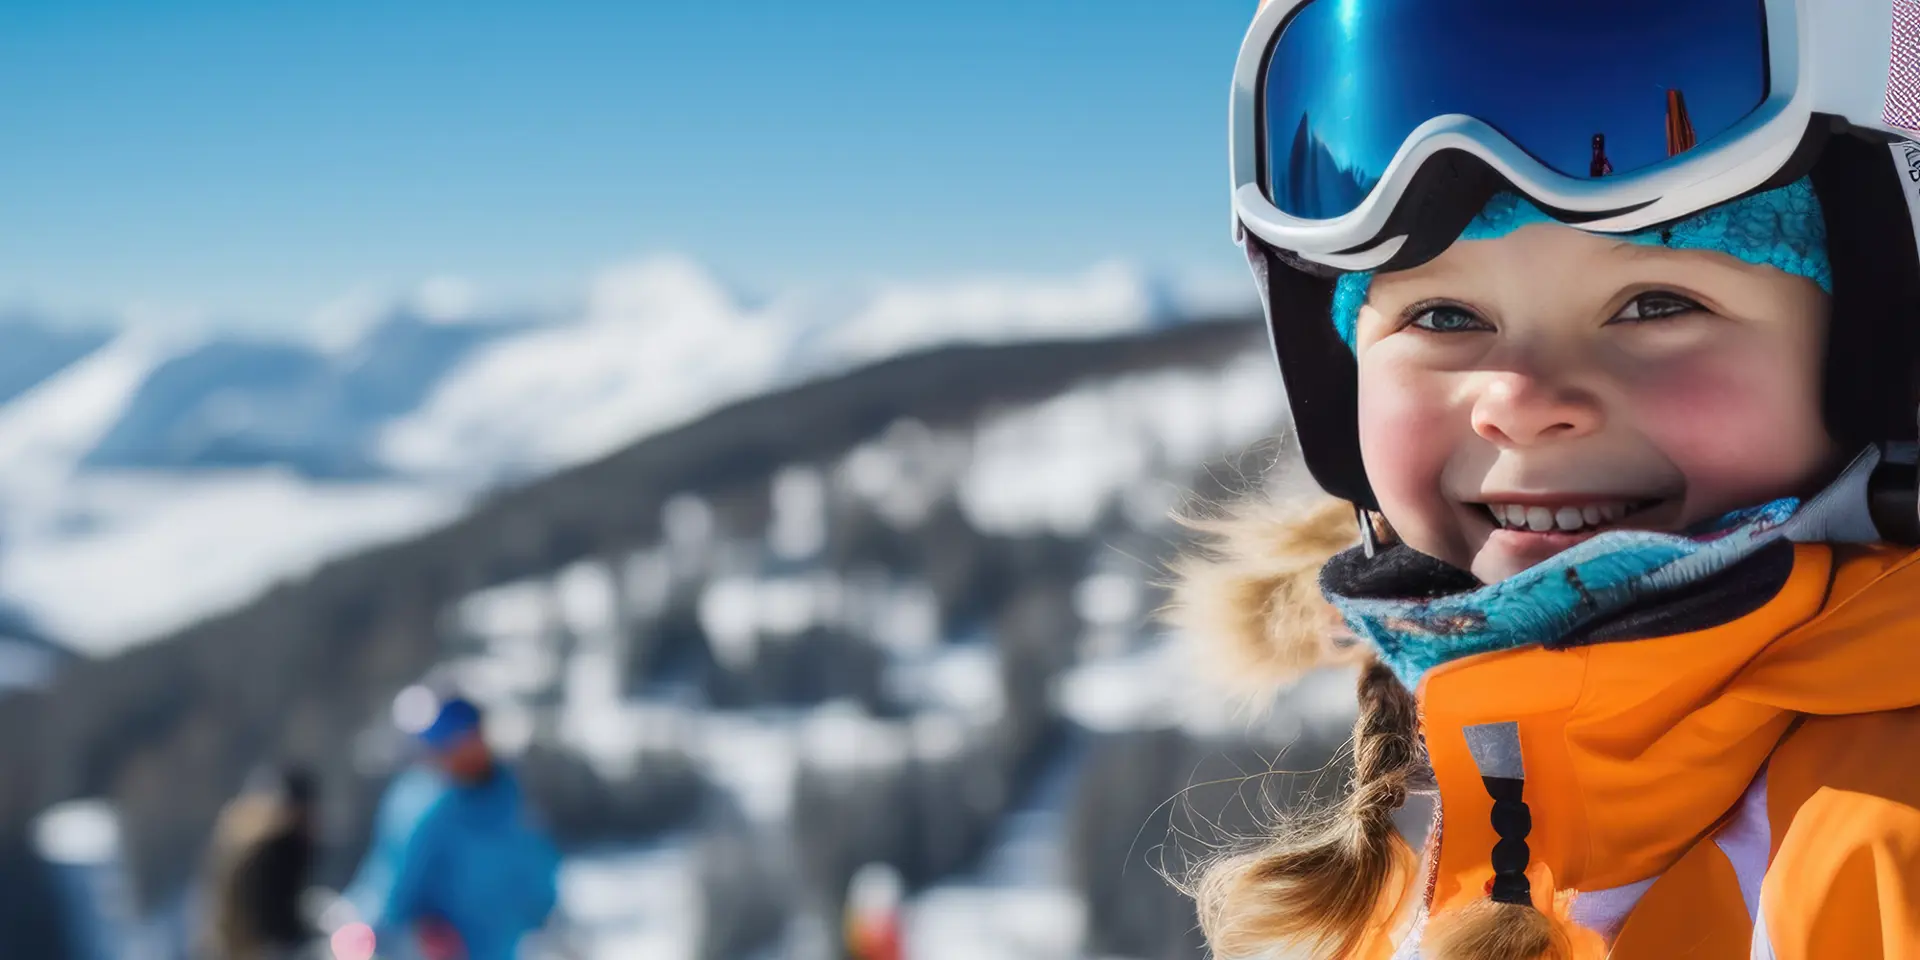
(254, 160)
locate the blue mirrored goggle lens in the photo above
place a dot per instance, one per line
(1588, 89)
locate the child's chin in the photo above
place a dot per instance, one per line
(1508, 552)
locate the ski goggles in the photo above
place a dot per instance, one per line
(1352, 119)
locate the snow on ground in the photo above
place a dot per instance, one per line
(841, 737)
(961, 680)
(905, 471)
(620, 905)
(1058, 465)
(589, 603)
(756, 758)
(45, 432)
(961, 922)
(515, 614)
(126, 558)
(1018, 905)
(1158, 686)
(79, 832)
(1055, 466)
(615, 736)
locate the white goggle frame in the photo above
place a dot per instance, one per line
(1852, 59)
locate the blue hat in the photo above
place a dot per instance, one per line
(435, 715)
(1783, 228)
(457, 718)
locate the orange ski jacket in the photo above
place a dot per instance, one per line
(1749, 789)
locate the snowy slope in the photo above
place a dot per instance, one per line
(98, 560)
(46, 432)
(31, 351)
(660, 343)
(247, 403)
(149, 482)
(117, 559)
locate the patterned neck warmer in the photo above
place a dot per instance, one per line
(1782, 228)
(1456, 617)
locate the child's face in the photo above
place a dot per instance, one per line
(1568, 382)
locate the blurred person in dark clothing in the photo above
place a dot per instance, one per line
(457, 866)
(258, 869)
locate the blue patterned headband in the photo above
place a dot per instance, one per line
(1780, 228)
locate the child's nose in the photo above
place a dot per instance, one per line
(1515, 409)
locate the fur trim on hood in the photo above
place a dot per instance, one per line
(1247, 594)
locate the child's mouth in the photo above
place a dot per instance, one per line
(1565, 518)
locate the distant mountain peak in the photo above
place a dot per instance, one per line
(445, 299)
(33, 349)
(661, 289)
(165, 435)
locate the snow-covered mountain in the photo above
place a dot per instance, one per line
(31, 351)
(660, 342)
(235, 403)
(147, 480)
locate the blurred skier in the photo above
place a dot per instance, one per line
(456, 864)
(873, 913)
(258, 870)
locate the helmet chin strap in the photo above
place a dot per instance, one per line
(1369, 544)
(1873, 499)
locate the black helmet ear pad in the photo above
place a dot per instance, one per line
(1873, 337)
(1316, 366)
(1317, 369)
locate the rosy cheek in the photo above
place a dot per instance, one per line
(1740, 430)
(1404, 440)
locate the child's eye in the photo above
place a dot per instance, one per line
(1656, 305)
(1444, 318)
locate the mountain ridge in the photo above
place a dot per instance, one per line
(119, 462)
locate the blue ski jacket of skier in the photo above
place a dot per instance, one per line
(467, 856)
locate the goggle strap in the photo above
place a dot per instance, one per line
(1902, 107)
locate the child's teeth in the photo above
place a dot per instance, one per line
(1515, 516)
